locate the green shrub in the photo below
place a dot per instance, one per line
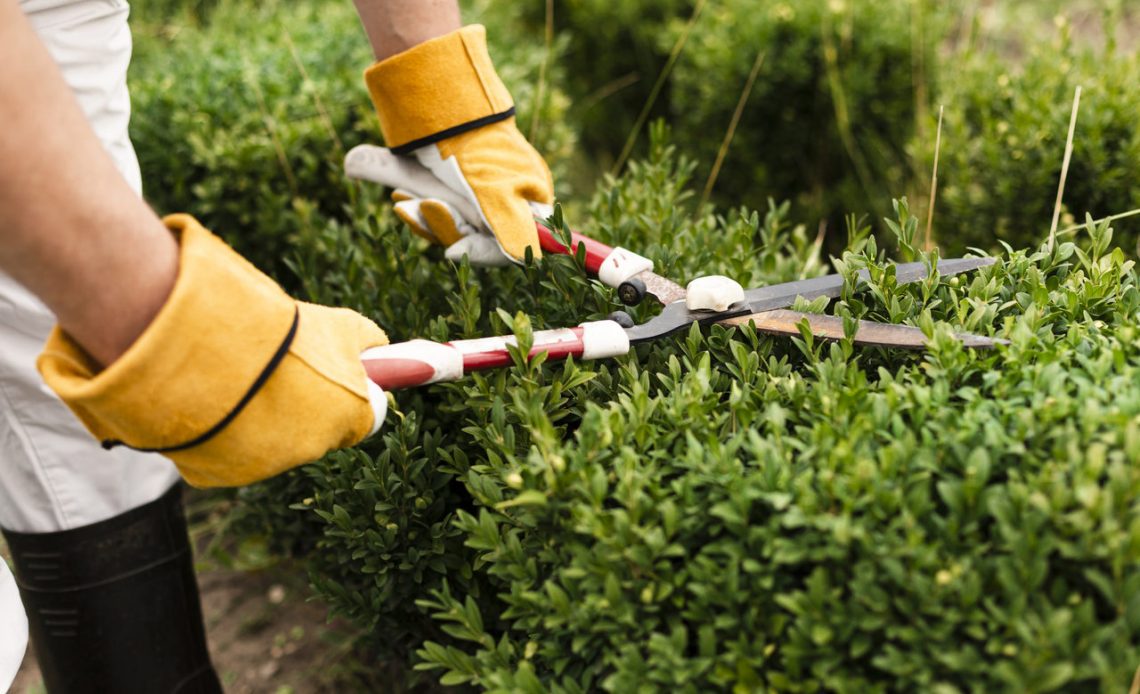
(227, 125)
(719, 509)
(243, 117)
(614, 52)
(827, 122)
(843, 113)
(724, 509)
(832, 110)
(736, 516)
(1004, 142)
(156, 14)
(385, 516)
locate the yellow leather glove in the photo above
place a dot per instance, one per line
(233, 380)
(463, 174)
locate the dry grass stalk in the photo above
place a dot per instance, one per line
(934, 181)
(839, 104)
(607, 90)
(1064, 169)
(540, 90)
(732, 125)
(657, 86)
(251, 81)
(918, 65)
(322, 112)
(1111, 218)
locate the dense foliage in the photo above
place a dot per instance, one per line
(717, 510)
(728, 509)
(249, 128)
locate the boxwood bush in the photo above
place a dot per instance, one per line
(727, 510)
(245, 113)
(718, 510)
(832, 110)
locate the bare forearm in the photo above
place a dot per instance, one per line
(394, 26)
(71, 229)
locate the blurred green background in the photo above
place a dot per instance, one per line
(841, 116)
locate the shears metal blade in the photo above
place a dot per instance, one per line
(420, 362)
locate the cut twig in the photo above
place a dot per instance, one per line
(839, 104)
(539, 92)
(732, 125)
(918, 65)
(665, 72)
(1064, 169)
(934, 180)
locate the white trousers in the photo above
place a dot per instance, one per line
(53, 474)
(13, 629)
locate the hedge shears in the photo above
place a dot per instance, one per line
(706, 300)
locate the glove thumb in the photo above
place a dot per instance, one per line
(480, 249)
(379, 165)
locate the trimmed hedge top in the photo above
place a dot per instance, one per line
(728, 510)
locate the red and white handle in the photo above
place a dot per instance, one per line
(420, 362)
(610, 265)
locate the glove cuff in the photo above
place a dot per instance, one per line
(437, 90)
(219, 336)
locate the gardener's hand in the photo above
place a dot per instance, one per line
(233, 380)
(463, 174)
(164, 342)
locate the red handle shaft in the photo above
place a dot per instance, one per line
(492, 353)
(420, 362)
(596, 251)
(394, 373)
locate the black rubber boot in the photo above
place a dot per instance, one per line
(113, 606)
